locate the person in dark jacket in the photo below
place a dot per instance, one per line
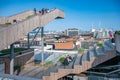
(35, 11)
(43, 11)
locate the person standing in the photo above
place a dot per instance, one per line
(111, 34)
(43, 11)
(35, 11)
(40, 12)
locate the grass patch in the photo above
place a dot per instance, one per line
(28, 17)
(81, 50)
(8, 23)
(7, 51)
(49, 63)
(99, 44)
(62, 59)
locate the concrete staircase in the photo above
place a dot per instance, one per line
(13, 32)
(91, 58)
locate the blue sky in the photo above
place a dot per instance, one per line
(80, 14)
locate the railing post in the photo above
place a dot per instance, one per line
(11, 59)
(42, 44)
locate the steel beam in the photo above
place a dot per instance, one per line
(35, 35)
(42, 44)
(107, 67)
(28, 38)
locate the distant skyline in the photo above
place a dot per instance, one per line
(81, 14)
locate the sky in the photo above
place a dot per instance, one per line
(81, 14)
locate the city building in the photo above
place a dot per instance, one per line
(72, 32)
(100, 34)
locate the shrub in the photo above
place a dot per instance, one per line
(80, 50)
(8, 23)
(100, 44)
(28, 17)
(62, 59)
(48, 64)
(118, 32)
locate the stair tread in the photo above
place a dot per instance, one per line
(77, 61)
(52, 69)
(92, 53)
(86, 56)
(100, 51)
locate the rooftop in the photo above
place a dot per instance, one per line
(64, 45)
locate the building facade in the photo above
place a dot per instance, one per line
(72, 32)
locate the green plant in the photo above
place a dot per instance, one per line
(62, 59)
(49, 63)
(7, 51)
(80, 50)
(18, 67)
(28, 17)
(99, 44)
(118, 32)
(8, 23)
(22, 67)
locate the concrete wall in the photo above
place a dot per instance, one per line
(19, 59)
(117, 42)
(3, 20)
(24, 57)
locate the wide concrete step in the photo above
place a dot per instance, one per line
(51, 69)
(77, 61)
(91, 58)
(100, 50)
(92, 53)
(109, 44)
(86, 56)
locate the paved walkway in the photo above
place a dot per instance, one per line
(38, 71)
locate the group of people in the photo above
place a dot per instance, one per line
(43, 11)
(67, 60)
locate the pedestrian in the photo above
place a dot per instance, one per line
(46, 10)
(43, 11)
(14, 21)
(35, 11)
(40, 12)
(68, 58)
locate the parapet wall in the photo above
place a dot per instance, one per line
(14, 32)
(20, 59)
(17, 17)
